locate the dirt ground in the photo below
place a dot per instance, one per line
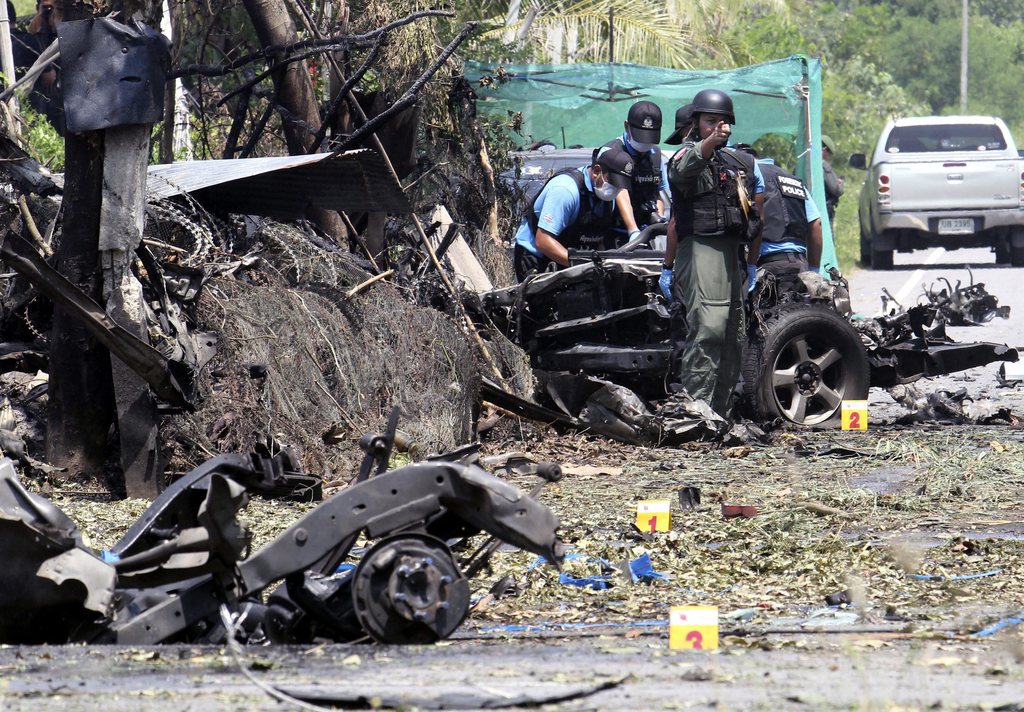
(921, 526)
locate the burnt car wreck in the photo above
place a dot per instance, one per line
(603, 319)
(186, 561)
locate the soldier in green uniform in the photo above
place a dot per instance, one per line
(717, 195)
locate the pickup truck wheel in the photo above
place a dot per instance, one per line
(810, 360)
(865, 249)
(880, 259)
(1017, 255)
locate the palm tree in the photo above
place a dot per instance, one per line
(669, 33)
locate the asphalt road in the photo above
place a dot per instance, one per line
(914, 271)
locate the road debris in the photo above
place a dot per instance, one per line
(971, 305)
(164, 580)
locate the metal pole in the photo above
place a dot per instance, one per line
(6, 52)
(963, 59)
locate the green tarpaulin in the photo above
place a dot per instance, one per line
(586, 104)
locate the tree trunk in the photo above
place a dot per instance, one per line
(80, 410)
(274, 26)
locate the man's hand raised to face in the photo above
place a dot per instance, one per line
(720, 136)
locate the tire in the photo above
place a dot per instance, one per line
(1003, 253)
(880, 259)
(810, 361)
(1017, 255)
(865, 249)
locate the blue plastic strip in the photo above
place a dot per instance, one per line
(547, 626)
(965, 577)
(640, 569)
(1008, 622)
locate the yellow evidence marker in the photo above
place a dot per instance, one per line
(855, 415)
(652, 515)
(693, 627)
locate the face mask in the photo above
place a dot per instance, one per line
(640, 147)
(606, 192)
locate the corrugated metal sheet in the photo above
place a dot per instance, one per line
(283, 187)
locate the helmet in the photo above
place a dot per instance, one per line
(713, 101)
(829, 144)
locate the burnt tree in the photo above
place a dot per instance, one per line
(300, 115)
(80, 410)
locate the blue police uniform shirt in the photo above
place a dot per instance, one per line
(663, 186)
(771, 248)
(557, 207)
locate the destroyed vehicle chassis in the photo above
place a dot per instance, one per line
(604, 316)
(182, 573)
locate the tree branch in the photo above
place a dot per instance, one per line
(410, 96)
(283, 53)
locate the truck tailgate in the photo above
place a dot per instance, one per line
(953, 184)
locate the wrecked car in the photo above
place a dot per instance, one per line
(604, 317)
(184, 571)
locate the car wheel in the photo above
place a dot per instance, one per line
(807, 362)
(865, 249)
(1017, 255)
(880, 259)
(1003, 253)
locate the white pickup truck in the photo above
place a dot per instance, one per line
(949, 181)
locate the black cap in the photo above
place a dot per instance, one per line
(645, 122)
(618, 165)
(684, 115)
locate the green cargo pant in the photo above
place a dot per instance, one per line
(710, 281)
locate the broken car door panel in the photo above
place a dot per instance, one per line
(572, 211)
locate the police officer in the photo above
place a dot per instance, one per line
(833, 183)
(642, 203)
(790, 240)
(573, 210)
(717, 194)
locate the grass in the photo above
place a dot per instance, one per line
(956, 494)
(847, 229)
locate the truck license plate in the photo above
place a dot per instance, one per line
(956, 226)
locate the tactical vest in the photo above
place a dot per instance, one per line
(590, 230)
(785, 209)
(646, 185)
(717, 212)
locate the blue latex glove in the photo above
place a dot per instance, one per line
(751, 277)
(665, 282)
(633, 234)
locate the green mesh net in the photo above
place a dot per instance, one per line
(586, 104)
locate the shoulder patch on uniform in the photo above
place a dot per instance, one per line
(791, 187)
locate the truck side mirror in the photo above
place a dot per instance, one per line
(858, 160)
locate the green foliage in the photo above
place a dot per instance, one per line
(846, 230)
(770, 37)
(667, 33)
(858, 99)
(25, 8)
(42, 140)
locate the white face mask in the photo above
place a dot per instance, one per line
(606, 192)
(640, 147)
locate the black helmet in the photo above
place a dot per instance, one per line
(714, 101)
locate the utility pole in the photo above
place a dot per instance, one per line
(963, 59)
